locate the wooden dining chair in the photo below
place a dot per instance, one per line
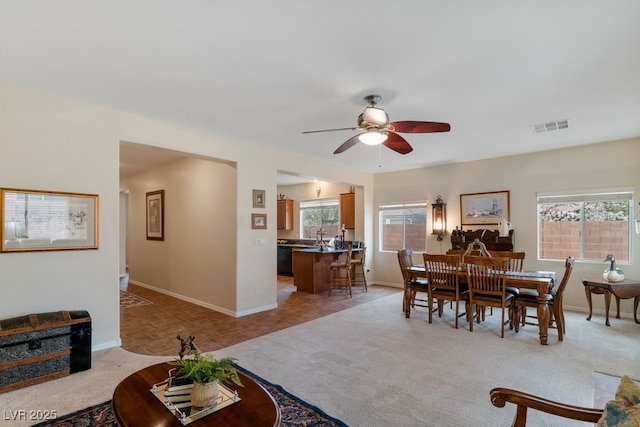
(340, 273)
(529, 298)
(444, 283)
(411, 284)
(486, 278)
(476, 248)
(516, 259)
(358, 273)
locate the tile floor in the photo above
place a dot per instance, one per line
(152, 329)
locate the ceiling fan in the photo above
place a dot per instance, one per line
(376, 129)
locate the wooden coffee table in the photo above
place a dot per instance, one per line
(134, 405)
(621, 290)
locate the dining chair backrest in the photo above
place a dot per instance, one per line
(456, 252)
(442, 270)
(405, 260)
(516, 259)
(486, 275)
(568, 268)
(475, 248)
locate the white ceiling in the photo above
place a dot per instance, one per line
(267, 70)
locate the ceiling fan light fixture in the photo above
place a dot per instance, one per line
(372, 137)
(375, 116)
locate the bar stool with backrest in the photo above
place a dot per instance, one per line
(411, 284)
(487, 278)
(529, 298)
(444, 284)
(358, 273)
(340, 273)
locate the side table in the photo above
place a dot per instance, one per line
(626, 289)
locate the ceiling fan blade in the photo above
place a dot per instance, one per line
(328, 130)
(397, 143)
(350, 143)
(420, 127)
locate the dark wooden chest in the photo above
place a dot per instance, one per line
(39, 347)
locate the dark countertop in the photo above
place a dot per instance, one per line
(327, 249)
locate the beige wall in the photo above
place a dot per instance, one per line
(597, 166)
(197, 259)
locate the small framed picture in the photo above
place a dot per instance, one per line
(155, 215)
(258, 198)
(259, 221)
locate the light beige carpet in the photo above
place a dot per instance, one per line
(370, 366)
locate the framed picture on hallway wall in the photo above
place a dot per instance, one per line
(484, 208)
(155, 215)
(258, 198)
(259, 221)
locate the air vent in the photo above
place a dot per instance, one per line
(549, 126)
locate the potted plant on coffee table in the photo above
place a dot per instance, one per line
(207, 373)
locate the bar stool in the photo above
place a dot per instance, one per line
(340, 273)
(358, 274)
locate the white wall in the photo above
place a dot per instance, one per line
(614, 164)
(59, 144)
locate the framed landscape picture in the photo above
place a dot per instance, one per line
(33, 220)
(484, 208)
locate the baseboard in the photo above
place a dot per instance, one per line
(207, 305)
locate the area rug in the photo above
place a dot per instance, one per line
(294, 411)
(128, 300)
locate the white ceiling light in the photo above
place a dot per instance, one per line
(372, 137)
(375, 116)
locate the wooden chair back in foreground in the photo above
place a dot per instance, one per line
(530, 299)
(456, 252)
(340, 273)
(516, 259)
(411, 284)
(486, 278)
(358, 273)
(444, 285)
(524, 401)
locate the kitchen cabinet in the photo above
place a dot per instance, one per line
(285, 214)
(348, 210)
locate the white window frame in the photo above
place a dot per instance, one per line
(581, 197)
(310, 204)
(403, 206)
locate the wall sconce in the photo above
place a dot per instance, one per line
(318, 191)
(439, 218)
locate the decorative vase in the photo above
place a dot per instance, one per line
(203, 395)
(613, 273)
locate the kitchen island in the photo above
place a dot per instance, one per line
(311, 268)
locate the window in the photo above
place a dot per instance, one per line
(403, 227)
(587, 227)
(318, 214)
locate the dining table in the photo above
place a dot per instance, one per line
(540, 281)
